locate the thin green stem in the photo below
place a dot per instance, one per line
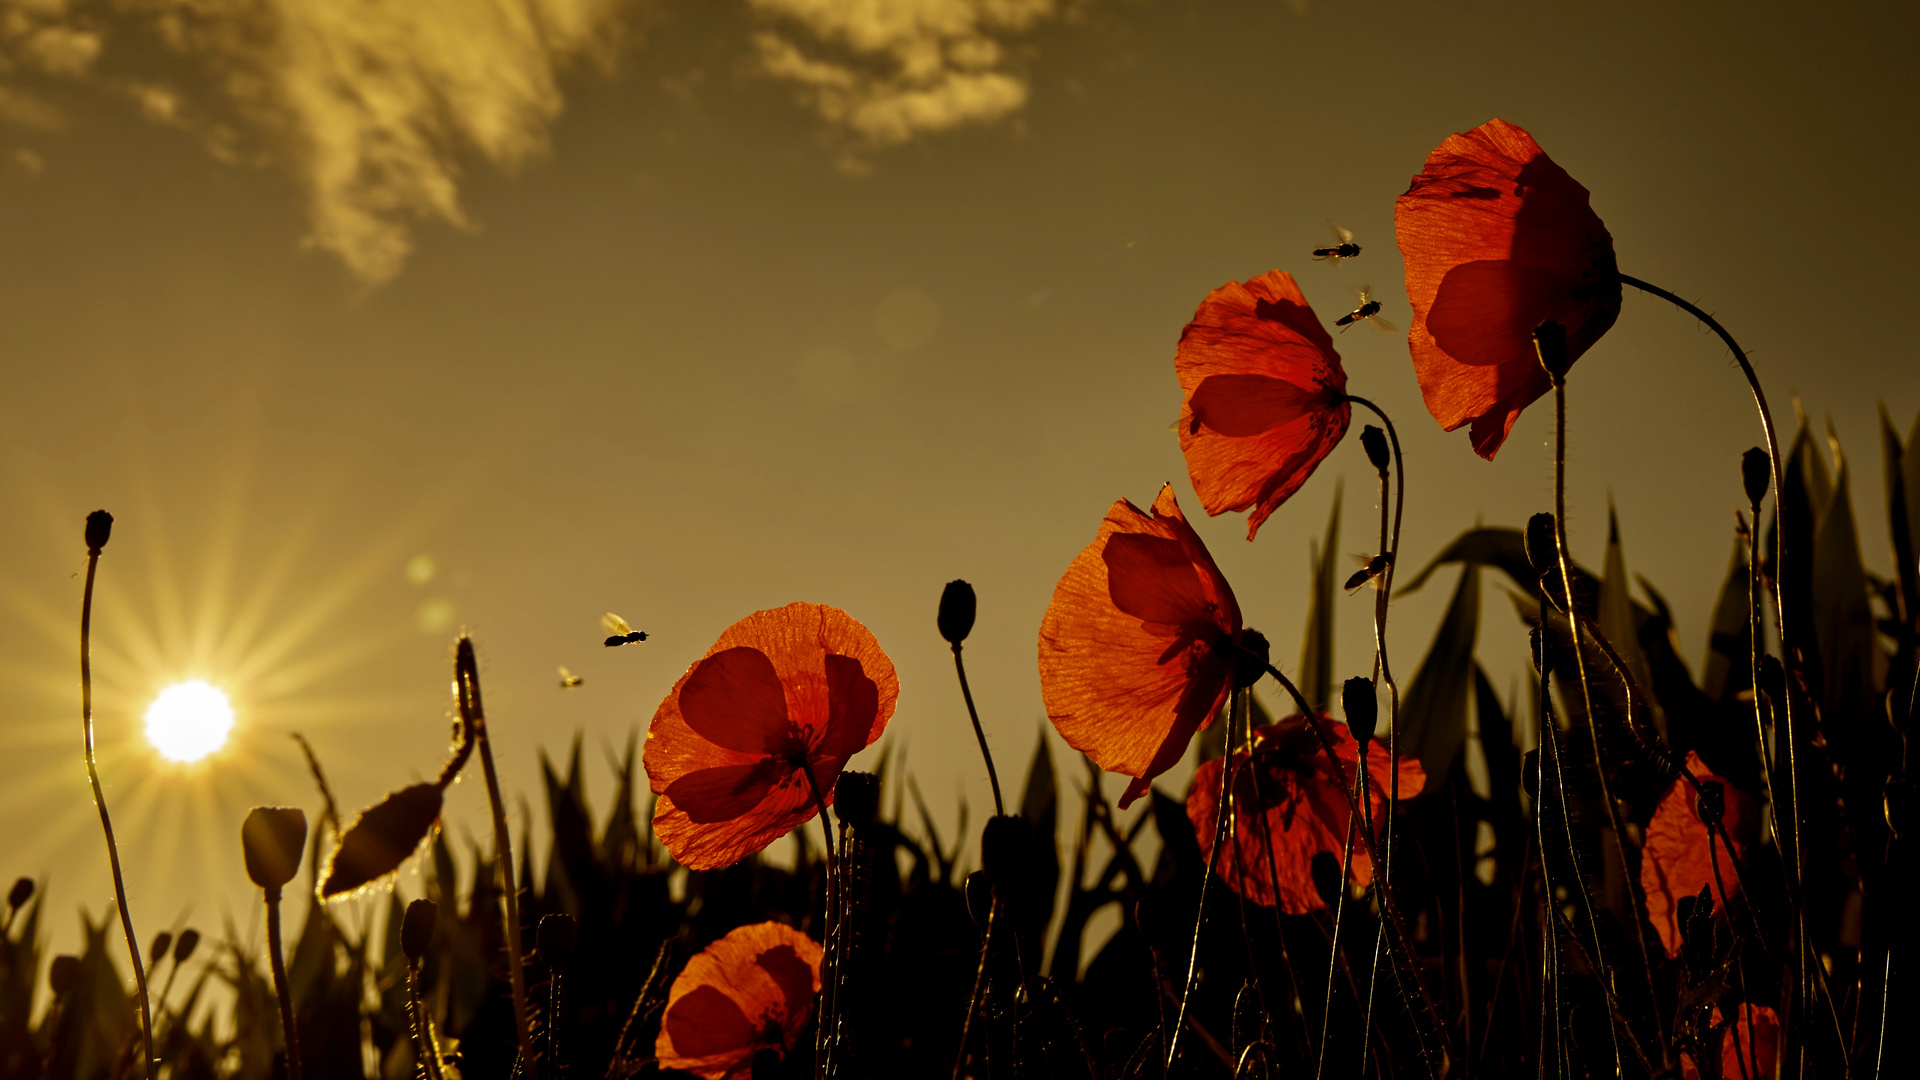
(993, 776)
(106, 822)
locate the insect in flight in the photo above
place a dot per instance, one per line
(1343, 247)
(1368, 312)
(1373, 570)
(620, 632)
(568, 679)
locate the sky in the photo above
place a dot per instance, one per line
(371, 323)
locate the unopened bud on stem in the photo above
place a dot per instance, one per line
(1550, 345)
(99, 528)
(272, 839)
(1362, 709)
(1756, 472)
(1250, 662)
(1375, 442)
(957, 604)
(416, 928)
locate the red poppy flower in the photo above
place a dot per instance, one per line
(1266, 398)
(1677, 859)
(1748, 1046)
(1137, 648)
(751, 990)
(1304, 807)
(1498, 239)
(783, 693)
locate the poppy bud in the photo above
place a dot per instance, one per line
(1543, 549)
(416, 929)
(183, 948)
(99, 527)
(555, 939)
(1363, 710)
(1550, 345)
(1326, 876)
(1003, 851)
(272, 839)
(979, 892)
(856, 798)
(766, 1064)
(1530, 776)
(1250, 661)
(1375, 443)
(1756, 471)
(1710, 803)
(21, 892)
(957, 605)
(64, 974)
(161, 942)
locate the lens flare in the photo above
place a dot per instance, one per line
(188, 721)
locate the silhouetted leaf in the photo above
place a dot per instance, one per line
(381, 838)
(1316, 645)
(1893, 468)
(1433, 716)
(1617, 619)
(1842, 620)
(1502, 549)
(1729, 649)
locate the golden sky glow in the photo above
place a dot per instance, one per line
(371, 329)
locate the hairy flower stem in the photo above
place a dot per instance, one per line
(473, 721)
(827, 1012)
(1586, 694)
(1333, 948)
(1200, 912)
(100, 800)
(993, 776)
(276, 956)
(1413, 991)
(424, 1043)
(1389, 546)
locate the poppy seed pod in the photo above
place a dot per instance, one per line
(556, 937)
(957, 607)
(1550, 345)
(1710, 802)
(1543, 549)
(1374, 441)
(1362, 709)
(1756, 472)
(21, 892)
(63, 974)
(416, 928)
(1250, 662)
(183, 947)
(272, 839)
(99, 527)
(162, 941)
(1003, 851)
(856, 798)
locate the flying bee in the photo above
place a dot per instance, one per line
(620, 632)
(568, 679)
(1343, 247)
(1371, 571)
(1368, 312)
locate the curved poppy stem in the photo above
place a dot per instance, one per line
(1565, 558)
(1200, 913)
(1780, 540)
(993, 776)
(100, 799)
(473, 722)
(1405, 970)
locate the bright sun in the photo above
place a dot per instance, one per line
(188, 721)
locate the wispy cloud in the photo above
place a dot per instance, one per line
(889, 70)
(373, 105)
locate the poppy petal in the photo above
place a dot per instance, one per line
(793, 976)
(751, 990)
(1151, 579)
(734, 699)
(1265, 396)
(725, 792)
(853, 702)
(706, 1022)
(1678, 857)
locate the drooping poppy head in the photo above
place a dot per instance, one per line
(1266, 398)
(750, 991)
(1138, 646)
(1748, 1047)
(1498, 239)
(1679, 856)
(1288, 806)
(783, 694)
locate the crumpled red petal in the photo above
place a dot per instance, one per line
(1131, 663)
(1265, 396)
(1677, 859)
(751, 990)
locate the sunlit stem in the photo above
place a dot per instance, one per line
(1333, 949)
(1223, 812)
(276, 956)
(979, 988)
(828, 1003)
(473, 720)
(993, 776)
(424, 1043)
(106, 822)
(1586, 691)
